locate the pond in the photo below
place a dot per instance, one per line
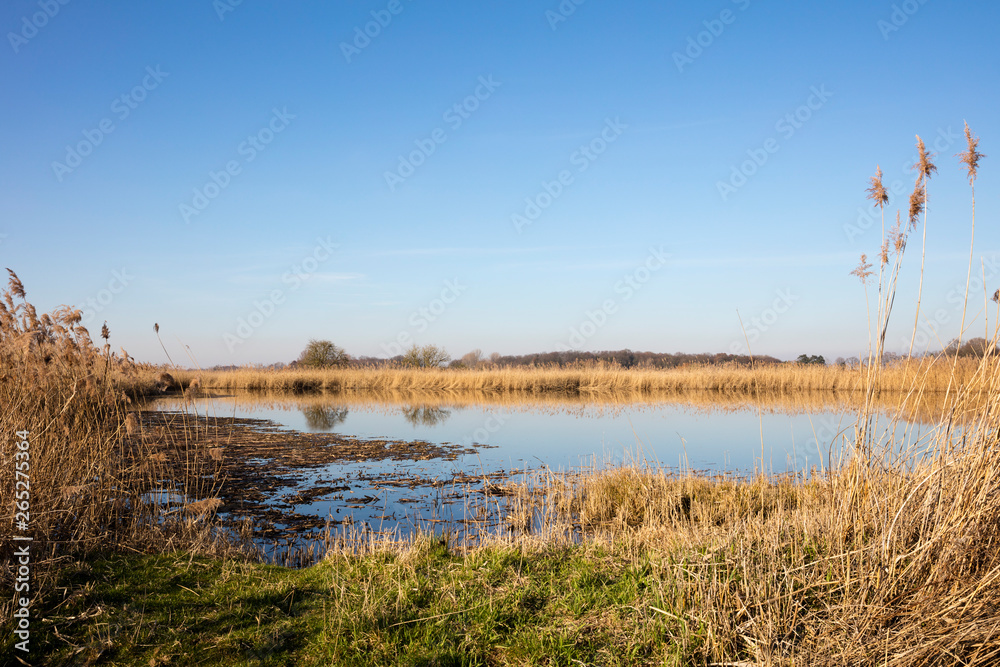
(461, 446)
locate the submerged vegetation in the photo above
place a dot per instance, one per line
(888, 557)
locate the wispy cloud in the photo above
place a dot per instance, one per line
(335, 277)
(467, 251)
(815, 259)
(270, 277)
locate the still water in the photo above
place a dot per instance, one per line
(701, 435)
(505, 438)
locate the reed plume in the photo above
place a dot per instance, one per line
(918, 203)
(156, 330)
(970, 158)
(918, 200)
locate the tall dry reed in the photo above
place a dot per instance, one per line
(890, 558)
(90, 471)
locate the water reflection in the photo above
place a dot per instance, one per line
(425, 415)
(704, 431)
(709, 431)
(323, 418)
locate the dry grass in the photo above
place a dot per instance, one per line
(597, 380)
(87, 470)
(890, 560)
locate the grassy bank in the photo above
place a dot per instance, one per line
(414, 605)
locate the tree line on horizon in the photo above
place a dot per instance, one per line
(325, 354)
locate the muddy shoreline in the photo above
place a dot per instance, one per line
(256, 473)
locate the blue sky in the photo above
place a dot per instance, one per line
(514, 177)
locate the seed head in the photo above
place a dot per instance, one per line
(917, 200)
(16, 287)
(971, 157)
(876, 192)
(863, 269)
(105, 332)
(925, 167)
(897, 235)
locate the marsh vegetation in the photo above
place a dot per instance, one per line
(890, 556)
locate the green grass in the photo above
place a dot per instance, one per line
(418, 606)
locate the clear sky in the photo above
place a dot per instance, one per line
(515, 177)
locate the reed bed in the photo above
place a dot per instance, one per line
(933, 374)
(891, 560)
(82, 483)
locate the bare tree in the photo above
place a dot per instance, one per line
(473, 359)
(428, 356)
(322, 354)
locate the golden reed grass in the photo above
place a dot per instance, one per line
(891, 558)
(90, 468)
(932, 373)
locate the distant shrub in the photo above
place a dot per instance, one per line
(428, 356)
(322, 354)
